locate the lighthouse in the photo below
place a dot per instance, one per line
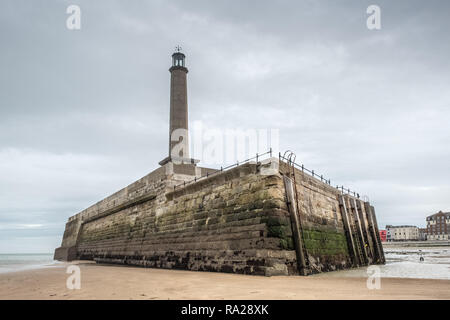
(179, 121)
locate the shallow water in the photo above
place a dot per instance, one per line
(405, 263)
(19, 262)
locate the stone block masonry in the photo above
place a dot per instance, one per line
(233, 221)
(334, 236)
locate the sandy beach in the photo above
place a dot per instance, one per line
(119, 282)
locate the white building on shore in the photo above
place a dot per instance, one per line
(402, 233)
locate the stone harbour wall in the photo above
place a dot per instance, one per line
(329, 243)
(234, 221)
(229, 222)
(322, 227)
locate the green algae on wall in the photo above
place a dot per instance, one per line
(325, 242)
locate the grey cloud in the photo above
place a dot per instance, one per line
(84, 113)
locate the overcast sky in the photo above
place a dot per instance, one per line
(83, 113)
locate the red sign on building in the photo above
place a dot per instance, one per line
(383, 235)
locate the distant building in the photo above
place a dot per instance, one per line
(423, 234)
(402, 233)
(383, 235)
(438, 226)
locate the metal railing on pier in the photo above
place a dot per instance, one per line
(287, 159)
(256, 158)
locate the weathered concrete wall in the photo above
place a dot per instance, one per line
(329, 243)
(231, 222)
(322, 227)
(234, 221)
(153, 185)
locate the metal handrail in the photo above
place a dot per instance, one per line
(313, 174)
(290, 159)
(222, 169)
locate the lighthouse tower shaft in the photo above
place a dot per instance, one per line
(178, 108)
(178, 127)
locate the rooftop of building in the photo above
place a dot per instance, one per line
(403, 226)
(440, 213)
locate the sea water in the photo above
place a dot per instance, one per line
(20, 261)
(406, 263)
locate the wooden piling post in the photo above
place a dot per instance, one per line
(359, 230)
(296, 226)
(373, 228)
(364, 223)
(348, 231)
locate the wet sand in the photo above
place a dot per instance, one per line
(118, 282)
